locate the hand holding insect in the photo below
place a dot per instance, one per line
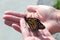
(46, 15)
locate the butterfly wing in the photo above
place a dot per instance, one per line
(34, 24)
(40, 25)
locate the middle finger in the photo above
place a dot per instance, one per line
(12, 18)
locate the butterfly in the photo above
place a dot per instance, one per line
(34, 24)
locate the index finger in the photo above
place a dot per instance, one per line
(18, 14)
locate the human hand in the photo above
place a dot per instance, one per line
(37, 35)
(46, 14)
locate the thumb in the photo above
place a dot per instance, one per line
(32, 8)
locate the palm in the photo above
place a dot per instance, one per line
(49, 20)
(37, 36)
(48, 17)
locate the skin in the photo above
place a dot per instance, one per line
(48, 16)
(37, 35)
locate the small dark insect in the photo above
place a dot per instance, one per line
(34, 24)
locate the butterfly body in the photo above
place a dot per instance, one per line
(34, 24)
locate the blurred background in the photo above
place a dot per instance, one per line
(8, 33)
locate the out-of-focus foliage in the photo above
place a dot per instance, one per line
(57, 5)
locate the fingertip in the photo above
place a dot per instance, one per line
(7, 12)
(10, 12)
(31, 8)
(7, 16)
(15, 25)
(7, 22)
(4, 17)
